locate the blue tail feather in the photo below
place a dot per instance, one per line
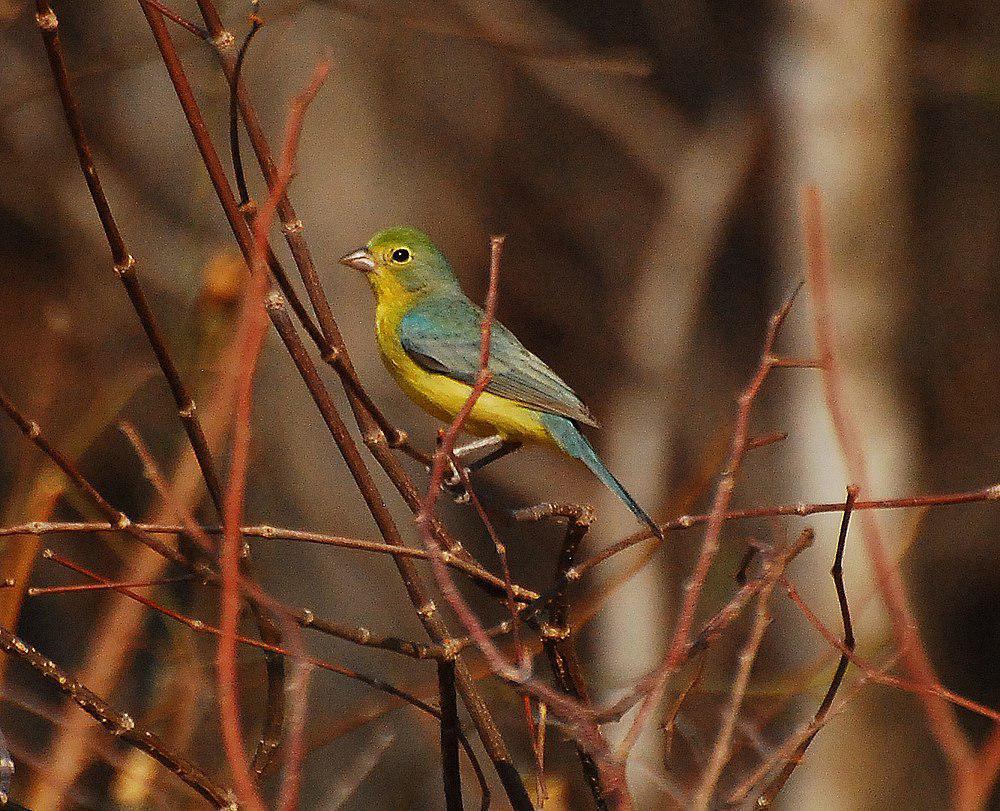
(569, 438)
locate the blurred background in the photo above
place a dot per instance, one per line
(646, 161)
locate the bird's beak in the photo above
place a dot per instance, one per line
(360, 259)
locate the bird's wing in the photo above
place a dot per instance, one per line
(442, 334)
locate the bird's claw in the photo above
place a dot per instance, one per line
(453, 482)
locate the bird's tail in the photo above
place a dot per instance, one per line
(569, 438)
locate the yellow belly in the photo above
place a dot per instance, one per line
(443, 397)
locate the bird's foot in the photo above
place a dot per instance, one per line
(454, 483)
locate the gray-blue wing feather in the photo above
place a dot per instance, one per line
(442, 334)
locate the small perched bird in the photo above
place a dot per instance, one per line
(429, 337)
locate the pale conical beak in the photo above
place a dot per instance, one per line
(359, 260)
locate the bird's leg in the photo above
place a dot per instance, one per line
(495, 447)
(506, 447)
(489, 443)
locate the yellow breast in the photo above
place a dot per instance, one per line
(444, 397)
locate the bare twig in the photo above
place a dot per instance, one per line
(941, 718)
(134, 584)
(655, 682)
(118, 723)
(723, 740)
(124, 264)
(202, 627)
(936, 691)
(837, 572)
(801, 509)
(271, 533)
(426, 611)
(557, 638)
(298, 687)
(250, 340)
(449, 736)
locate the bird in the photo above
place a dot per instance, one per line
(429, 338)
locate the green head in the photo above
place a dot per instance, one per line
(402, 261)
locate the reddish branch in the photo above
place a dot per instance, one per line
(724, 739)
(941, 718)
(560, 647)
(442, 459)
(991, 493)
(370, 428)
(973, 775)
(654, 684)
(271, 533)
(585, 731)
(250, 340)
(124, 264)
(202, 627)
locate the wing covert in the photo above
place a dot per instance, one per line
(442, 335)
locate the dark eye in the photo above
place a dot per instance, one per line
(401, 255)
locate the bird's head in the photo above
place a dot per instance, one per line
(402, 261)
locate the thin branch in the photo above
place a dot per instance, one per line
(271, 533)
(234, 124)
(118, 723)
(656, 682)
(557, 641)
(723, 742)
(940, 716)
(298, 688)
(800, 509)
(739, 794)
(449, 737)
(250, 340)
(183, 22)
(40, 591)
(936, 691)
(837, 572)
(124, 264)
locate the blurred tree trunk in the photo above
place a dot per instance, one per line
(841, 79)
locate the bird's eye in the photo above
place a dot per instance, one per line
(401, 255)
